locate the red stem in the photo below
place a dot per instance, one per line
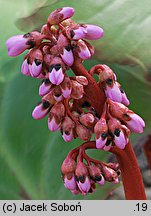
(93, 92)
(131, 175)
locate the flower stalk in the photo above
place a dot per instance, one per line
(130, 172)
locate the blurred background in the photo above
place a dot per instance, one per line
(31, 156)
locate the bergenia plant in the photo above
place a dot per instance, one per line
(79, 106)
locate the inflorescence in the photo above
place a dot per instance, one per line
(51, 53)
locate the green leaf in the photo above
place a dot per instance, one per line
(126, 24)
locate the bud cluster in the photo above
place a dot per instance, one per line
(80, 177)
(60, 46)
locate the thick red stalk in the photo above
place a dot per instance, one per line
(131, 176)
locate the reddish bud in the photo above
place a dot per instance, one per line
(68, 166)
(77, 90)
(83, 133)
(87, 119)
(82, 80)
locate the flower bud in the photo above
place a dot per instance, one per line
(25, 68)
(19, 43)
(68, 166)
(115, 128)
(82, 80)
(101, 132)
(60, 14)
(76, 32)
(106, 75)
(45, 87)
(110, 174)
(56, 73)
(96, 175)
(93, 32)
(81, 173)
(66, 87)
(56, 116)
(83, 50)
(41, 110)
(134, 122)
(65, 50)
(36, 59)
(67, 129)
(77, 90)
(57, 93)
(87, 119)
(83, 133)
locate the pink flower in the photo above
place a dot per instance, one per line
(113, 92)
(56, 74)
(70, 183)
(41, 110)
(45, 87)
(60, 14)
(84, 185)
(35, 68)
(25, 68)
(120, 139)
(100, 180)
(94, 32)
(67, 136)
(78, 33)
(101, 132)
(53, 125)
(67, 56)
(16, 45)
(136, 124)
(83, 50)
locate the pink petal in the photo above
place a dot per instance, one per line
(67, 12)
(113, 93)
(136, 124)
(58, 99)
(94, 32)
(125, 100)
(44, 88)
(84, 187)
(56, 76)
(120, 141)
(39, 112)
(107, 147)
(79, 33)
(67, 57)
(16, 45)
(52, 125)
(102, 181)
(25, 68)
(116, 181)
(100, 143)
(84, 53)
(67, 138)
(66, 93)
(35, 70)
(70, 183)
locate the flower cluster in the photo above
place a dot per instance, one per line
(80, 177)
(61, 46)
